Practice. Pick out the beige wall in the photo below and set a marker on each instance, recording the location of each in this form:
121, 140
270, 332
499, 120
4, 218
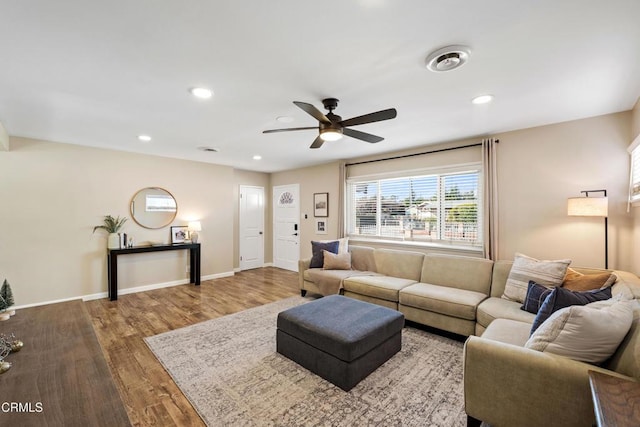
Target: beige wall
53, 194
316, 179
635, 120
539, 168
4, 138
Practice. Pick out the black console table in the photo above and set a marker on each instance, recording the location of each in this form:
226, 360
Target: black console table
112, 262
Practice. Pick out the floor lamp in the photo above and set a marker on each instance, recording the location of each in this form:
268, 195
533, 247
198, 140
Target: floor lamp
592, 206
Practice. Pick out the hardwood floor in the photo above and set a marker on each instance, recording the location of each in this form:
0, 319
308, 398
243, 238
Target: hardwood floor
148, 392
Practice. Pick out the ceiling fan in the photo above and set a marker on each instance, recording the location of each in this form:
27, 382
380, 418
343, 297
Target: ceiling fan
332, 127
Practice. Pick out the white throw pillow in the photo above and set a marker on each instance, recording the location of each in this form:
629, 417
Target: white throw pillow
589, 333
524, 269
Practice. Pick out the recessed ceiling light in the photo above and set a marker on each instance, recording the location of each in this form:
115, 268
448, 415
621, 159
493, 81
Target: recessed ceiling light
144, 138
482, 99
257, 157
284, 119
448, 58
201, 92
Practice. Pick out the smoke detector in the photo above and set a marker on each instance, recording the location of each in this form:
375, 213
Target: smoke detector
448, 58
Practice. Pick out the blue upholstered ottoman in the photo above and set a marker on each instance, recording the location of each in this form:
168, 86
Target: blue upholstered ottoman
338, 338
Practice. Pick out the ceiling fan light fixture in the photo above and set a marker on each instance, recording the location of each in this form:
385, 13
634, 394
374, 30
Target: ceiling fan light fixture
448, 58
331, 134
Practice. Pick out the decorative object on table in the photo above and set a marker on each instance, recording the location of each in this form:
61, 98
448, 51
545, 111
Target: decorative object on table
179, 233
194, 227
112, 226
321, 226
320, 205
130, 242
592, 206
7, 295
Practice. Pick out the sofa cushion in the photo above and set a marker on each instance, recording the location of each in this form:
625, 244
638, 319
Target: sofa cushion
498, 308
317, 258
473, 274
508, 332
560, 298
588, 333
362, 258
524, 268
402, 264
442, 299
381, 287
336, 261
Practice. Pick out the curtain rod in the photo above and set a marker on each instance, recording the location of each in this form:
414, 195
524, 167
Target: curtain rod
417, 154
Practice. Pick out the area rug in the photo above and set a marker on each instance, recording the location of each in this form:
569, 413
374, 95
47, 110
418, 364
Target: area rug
229, 369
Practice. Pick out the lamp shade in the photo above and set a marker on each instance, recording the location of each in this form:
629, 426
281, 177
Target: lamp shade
588, 206
194, 226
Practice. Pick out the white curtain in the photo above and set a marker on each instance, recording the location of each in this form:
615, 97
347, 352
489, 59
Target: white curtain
342, 180
490, 195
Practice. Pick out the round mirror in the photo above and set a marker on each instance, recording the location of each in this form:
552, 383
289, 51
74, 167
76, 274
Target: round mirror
153, 207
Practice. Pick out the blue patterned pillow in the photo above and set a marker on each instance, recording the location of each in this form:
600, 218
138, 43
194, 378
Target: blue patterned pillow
536, 294
317, 258
561, 298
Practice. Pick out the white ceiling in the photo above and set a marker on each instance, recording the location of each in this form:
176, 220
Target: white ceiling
99, 73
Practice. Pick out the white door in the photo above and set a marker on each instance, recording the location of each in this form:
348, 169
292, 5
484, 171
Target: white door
286, 226
251, 227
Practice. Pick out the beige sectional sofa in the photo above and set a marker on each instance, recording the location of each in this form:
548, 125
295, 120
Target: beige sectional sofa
506, 384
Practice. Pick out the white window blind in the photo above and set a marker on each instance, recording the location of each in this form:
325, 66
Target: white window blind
434, 207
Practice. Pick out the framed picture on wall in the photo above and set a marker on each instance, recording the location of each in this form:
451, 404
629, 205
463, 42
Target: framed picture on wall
320, 205
179, 233
321, 226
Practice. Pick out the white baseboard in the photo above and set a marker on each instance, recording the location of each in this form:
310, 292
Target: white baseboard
126, 291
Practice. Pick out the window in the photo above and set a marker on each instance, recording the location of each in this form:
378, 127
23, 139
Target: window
435, 207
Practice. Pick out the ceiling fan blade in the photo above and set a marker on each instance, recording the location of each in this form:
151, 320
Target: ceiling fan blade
362, 135
313, 111
317, 143
288, 129
378, 116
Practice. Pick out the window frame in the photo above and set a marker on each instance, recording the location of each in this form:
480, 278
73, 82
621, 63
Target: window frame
439, 173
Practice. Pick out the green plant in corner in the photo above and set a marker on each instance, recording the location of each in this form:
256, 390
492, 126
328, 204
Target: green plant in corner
111, 224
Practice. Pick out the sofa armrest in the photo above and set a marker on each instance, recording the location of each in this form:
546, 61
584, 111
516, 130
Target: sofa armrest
303, 264
507, 385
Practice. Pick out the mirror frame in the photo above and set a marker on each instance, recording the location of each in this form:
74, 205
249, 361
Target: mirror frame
131, 208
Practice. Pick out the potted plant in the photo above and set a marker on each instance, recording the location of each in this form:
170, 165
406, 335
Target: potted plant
112, 226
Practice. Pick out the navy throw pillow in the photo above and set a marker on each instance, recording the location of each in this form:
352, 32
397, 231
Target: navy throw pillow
561, 298
317, 257
536, 294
